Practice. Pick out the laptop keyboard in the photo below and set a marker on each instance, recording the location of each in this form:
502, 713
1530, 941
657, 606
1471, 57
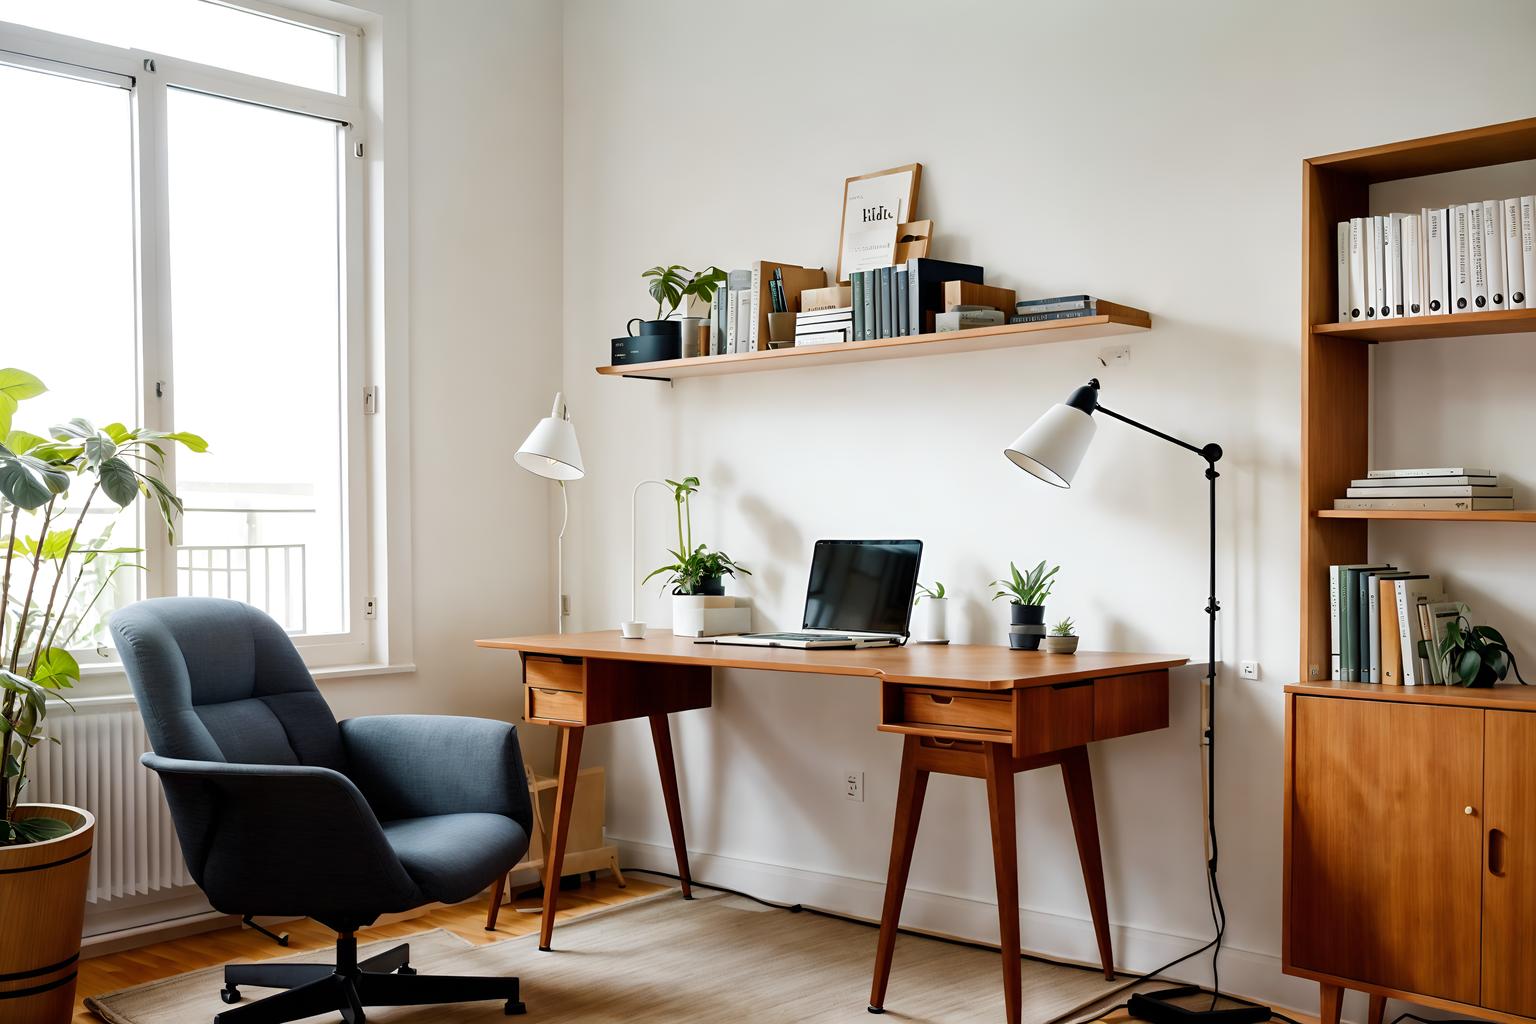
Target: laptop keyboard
799, 636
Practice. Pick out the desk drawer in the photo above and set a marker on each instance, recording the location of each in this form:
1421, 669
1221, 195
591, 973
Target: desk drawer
956, 708
551, 705
1055, 717
555, 674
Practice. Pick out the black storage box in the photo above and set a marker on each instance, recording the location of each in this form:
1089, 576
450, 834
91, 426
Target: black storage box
647, 348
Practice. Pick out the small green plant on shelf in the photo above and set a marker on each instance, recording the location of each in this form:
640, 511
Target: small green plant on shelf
695, 570
935, 592
1476, 655
1031, 588
1066, 627
670, 286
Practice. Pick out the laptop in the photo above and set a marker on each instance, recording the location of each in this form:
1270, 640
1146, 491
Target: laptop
860, 595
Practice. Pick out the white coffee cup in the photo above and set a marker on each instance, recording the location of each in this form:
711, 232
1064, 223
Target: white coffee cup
632, 630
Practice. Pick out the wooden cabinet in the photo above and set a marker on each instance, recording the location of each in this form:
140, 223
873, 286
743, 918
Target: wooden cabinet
1410, 845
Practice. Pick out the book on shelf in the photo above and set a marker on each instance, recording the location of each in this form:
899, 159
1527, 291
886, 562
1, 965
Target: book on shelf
969, 293
925, 288
1514, 260
1413, 598
824, 334
738, 287
1478, 255
1374, 653
899, 302
1065, 314
1392, 255
966, 319
1342, 255
1493, 251
1393, 474
887, 314
1423, 504
1460, 261
1528, 247
1463, 491
1357, 275
820, 315
1412, 253
1425, 480
1375, 290
1434, 245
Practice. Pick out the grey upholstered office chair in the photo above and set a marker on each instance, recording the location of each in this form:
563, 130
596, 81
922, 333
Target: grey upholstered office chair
282, 811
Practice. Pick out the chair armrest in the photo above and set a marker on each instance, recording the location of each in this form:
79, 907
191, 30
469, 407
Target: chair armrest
282, 839
411, 766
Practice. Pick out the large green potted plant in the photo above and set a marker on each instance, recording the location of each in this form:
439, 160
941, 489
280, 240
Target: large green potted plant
695, 573
1026, 593
53, 573
673, 287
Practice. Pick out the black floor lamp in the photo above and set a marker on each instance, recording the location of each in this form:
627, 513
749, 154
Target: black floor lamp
1052, 449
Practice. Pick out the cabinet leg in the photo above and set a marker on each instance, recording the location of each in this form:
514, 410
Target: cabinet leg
1078, 778
565, 795
1377, 1012
661, 735
910, 790
1330, 1002
1005, 863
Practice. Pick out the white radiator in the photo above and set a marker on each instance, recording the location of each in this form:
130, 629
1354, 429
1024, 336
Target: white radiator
96, 766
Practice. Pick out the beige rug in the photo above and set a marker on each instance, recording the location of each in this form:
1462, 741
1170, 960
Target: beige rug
663, 960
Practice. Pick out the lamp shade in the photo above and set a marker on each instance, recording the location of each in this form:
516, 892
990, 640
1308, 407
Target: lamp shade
551, 450
1053, 447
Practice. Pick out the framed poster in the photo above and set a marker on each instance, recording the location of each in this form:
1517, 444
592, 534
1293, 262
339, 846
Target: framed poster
873, 206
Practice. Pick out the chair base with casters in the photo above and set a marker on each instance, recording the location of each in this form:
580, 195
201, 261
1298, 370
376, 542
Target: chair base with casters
351, 985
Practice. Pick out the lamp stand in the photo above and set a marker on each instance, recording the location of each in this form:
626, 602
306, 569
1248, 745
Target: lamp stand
1211, 453
565, 517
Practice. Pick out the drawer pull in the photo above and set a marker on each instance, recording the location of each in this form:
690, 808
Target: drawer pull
938, 699
1072, 685
939, 741
1496, 852
548, 692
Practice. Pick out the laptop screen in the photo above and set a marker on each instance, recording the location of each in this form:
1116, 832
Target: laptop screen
862, 586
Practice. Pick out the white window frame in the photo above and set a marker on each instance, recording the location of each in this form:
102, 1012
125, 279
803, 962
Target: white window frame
378, 638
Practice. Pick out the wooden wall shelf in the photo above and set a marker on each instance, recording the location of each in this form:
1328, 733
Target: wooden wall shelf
1514, 515
979, 339
1425, 328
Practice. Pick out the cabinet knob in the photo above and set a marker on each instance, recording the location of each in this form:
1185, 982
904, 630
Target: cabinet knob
1469, 809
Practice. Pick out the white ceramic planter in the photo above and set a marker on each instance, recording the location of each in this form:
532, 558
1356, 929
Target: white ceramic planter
1060, 644
707, 615
930, 620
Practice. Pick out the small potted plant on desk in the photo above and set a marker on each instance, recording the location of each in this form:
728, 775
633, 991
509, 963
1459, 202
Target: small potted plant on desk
1027, 593
672, 287
1476, 655
931, 609
1062, 639
697, 574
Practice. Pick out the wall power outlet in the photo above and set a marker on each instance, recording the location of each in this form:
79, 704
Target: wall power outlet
854, 784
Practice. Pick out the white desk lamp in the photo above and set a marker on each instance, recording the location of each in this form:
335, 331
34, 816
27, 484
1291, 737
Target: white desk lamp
551, 451
634, 629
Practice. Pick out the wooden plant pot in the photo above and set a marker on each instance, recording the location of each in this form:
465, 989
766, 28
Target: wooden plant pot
42, 914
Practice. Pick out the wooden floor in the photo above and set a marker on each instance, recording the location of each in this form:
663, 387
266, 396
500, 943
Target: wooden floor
177, 956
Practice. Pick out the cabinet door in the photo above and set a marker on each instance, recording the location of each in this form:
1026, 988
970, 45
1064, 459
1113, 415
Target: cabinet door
1386, 865
1509, 888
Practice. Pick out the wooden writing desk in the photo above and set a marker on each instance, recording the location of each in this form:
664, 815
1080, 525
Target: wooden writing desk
981, 712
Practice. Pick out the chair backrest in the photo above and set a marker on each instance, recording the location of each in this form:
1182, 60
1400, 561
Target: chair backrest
218, 680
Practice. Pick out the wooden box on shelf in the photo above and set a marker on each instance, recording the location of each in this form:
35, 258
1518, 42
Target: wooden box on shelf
1357, 914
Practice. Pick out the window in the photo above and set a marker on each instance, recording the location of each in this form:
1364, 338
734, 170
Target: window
183, 250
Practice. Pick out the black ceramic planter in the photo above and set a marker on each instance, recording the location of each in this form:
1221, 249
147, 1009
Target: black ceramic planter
1027, 628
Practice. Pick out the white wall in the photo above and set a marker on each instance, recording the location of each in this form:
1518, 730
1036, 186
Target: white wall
1148, 153
484, 167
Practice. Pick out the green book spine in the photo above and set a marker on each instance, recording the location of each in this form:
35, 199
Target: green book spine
856, 297
1349, 624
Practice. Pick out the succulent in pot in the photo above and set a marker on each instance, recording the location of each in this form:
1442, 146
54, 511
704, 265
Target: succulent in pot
1475, 656
1062, 639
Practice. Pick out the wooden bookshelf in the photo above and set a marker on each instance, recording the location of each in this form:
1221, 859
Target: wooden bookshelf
1511, 515
1335, 420
1428, 328
980, 339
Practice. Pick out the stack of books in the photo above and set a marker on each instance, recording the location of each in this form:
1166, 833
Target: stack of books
824, 326
1059, 307
1468, 258
1387, 624
1434, 489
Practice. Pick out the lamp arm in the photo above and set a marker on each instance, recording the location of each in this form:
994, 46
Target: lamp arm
1210, 453
634, 569
565, 518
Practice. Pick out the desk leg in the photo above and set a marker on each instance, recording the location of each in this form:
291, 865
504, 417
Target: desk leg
1005, 863
661, 735
910, 790
1078, 778
565, 794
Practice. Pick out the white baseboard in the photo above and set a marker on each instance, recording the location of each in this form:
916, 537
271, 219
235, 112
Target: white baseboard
1253, 975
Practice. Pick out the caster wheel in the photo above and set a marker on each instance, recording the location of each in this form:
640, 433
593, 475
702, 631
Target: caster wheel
230, 994
406, 969
514, 1008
